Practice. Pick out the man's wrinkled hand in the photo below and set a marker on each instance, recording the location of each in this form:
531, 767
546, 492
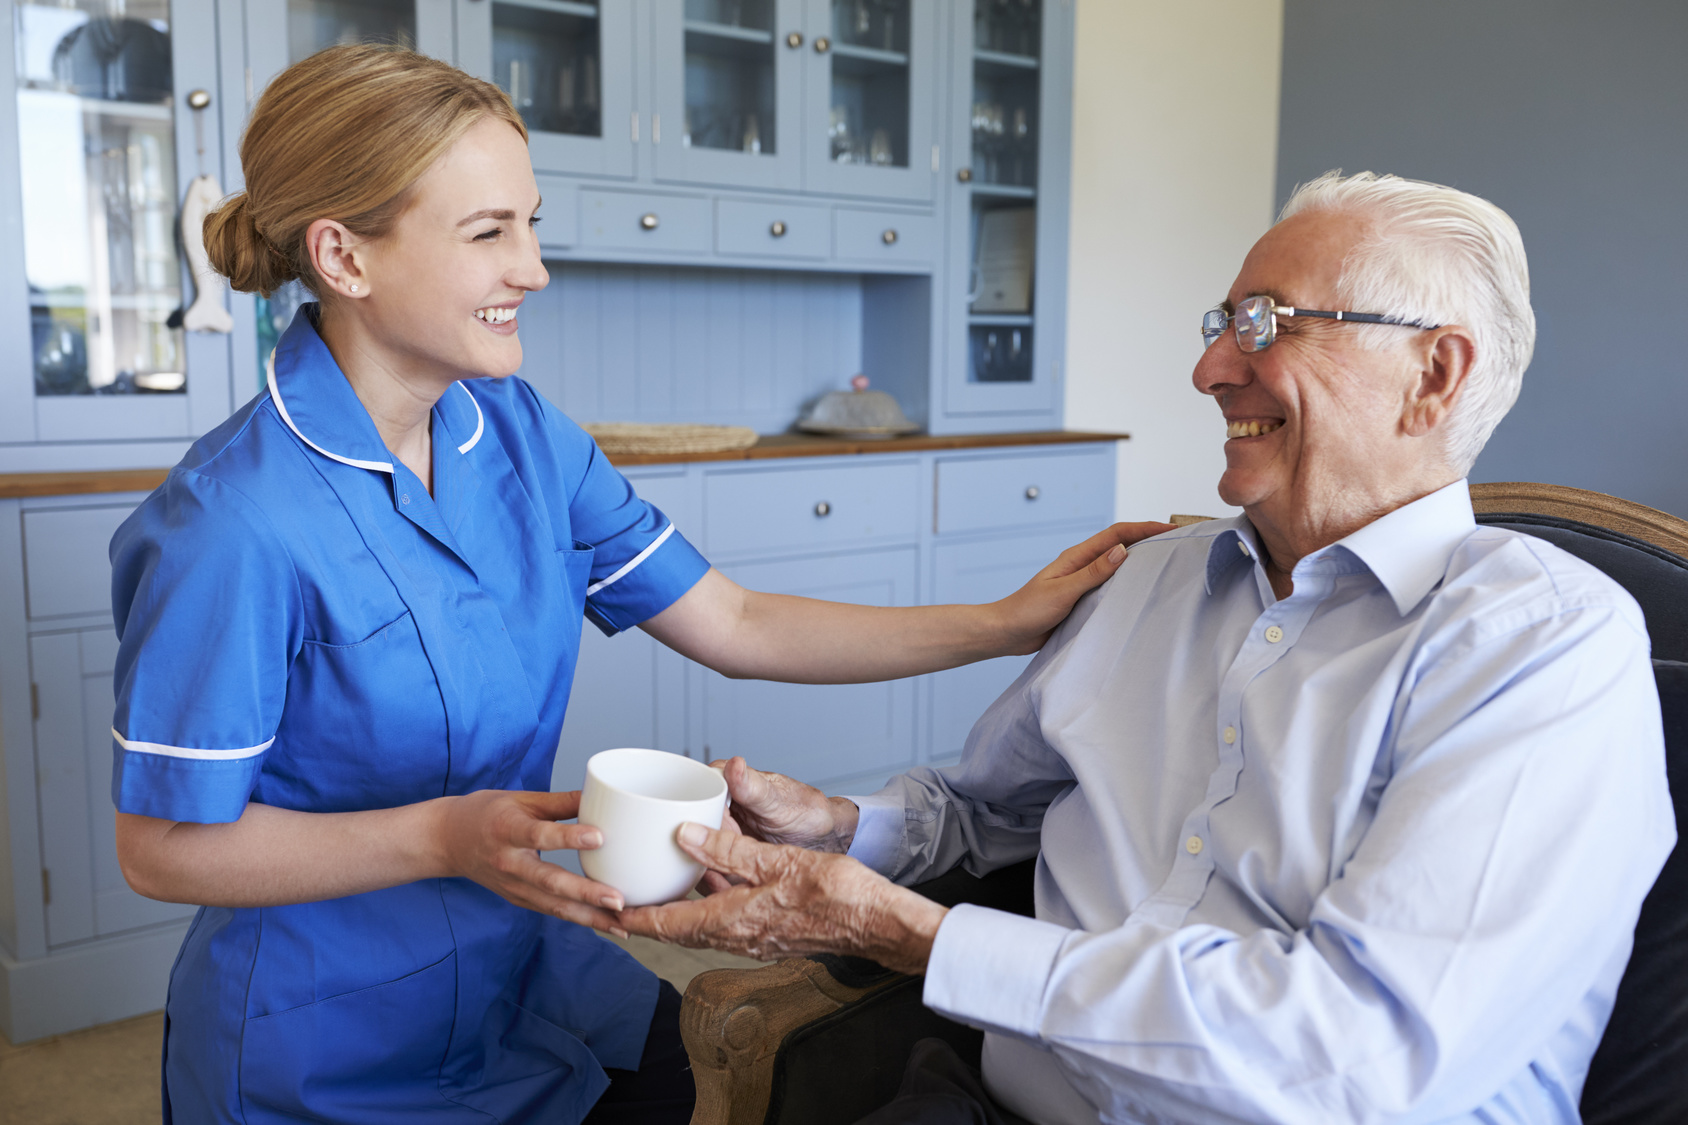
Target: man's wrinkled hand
788, 901
780, 810
1033, 611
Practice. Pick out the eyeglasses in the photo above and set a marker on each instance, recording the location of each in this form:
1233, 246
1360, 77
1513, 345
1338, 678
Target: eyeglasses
1256, 321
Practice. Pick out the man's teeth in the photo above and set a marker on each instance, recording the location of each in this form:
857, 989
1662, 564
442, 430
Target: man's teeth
1250, 429
496, 316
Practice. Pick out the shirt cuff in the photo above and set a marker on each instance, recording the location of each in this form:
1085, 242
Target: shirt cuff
879, 831
991, 969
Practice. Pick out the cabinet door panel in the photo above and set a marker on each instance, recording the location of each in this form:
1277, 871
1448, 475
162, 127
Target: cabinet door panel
817, 732
729, 92
981, 572
65, 561
61, 773
870, 98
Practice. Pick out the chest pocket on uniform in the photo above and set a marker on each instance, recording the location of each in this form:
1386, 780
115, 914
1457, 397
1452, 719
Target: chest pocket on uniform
363, 727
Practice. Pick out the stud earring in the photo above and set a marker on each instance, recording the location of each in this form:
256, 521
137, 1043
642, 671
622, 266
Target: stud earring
354, 289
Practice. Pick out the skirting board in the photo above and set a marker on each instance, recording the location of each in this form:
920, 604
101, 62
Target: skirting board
89, 985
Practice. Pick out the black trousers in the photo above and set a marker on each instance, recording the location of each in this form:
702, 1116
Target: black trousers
661, 1091
939, 1089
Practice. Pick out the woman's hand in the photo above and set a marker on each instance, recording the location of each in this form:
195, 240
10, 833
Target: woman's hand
491, 836
1032, 612
789, 901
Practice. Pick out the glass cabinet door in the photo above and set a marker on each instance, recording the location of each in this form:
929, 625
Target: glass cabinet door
101, 173
998, 120
728, 87
870, 89
568, 66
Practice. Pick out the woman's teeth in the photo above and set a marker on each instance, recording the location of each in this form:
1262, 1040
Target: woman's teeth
496, 316
1250, 429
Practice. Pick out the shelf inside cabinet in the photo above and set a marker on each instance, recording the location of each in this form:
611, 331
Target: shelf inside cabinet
1001, 60
730, 32
1000, 320
1002, 191
560, 7
865, 60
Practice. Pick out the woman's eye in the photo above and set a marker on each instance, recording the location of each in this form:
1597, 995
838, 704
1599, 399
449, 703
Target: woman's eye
489, 235
533, 222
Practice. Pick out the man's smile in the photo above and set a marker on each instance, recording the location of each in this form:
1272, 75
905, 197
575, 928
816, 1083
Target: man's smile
1250, 428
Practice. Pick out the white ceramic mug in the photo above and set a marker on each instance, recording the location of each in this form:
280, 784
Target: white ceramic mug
638, 799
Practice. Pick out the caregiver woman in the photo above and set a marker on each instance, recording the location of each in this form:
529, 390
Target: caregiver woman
349, 622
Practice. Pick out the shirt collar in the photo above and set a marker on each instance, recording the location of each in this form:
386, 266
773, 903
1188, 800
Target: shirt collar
318, 404
1406, 550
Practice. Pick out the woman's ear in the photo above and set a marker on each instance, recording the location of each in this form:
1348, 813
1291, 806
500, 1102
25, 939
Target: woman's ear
1445, 364
338, 256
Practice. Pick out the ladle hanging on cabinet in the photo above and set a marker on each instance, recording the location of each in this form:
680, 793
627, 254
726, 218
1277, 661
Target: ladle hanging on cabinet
207, 313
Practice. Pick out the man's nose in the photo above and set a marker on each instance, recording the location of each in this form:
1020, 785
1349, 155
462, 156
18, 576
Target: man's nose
1222, 367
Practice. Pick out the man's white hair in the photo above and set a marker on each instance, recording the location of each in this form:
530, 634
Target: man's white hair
1439, 256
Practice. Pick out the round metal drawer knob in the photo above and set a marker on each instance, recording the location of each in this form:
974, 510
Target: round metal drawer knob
778, 229
1033, 492
794, 40
823, 509
199, 99
889, 238
965, 175
822, 45
649, 220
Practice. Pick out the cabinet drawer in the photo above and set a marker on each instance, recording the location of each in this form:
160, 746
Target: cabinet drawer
884, 236
66, 568
748, 228
802, 509
981, 494
618, 220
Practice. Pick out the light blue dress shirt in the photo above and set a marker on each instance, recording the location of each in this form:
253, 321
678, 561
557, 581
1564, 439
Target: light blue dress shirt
1373, 852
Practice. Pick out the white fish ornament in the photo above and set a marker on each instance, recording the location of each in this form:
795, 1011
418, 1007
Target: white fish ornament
207, 313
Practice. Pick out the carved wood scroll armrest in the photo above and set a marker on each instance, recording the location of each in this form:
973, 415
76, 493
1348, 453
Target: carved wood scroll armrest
734, 1021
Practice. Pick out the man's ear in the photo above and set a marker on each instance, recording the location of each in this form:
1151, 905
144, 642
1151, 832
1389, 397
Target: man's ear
338, 256
1444, 364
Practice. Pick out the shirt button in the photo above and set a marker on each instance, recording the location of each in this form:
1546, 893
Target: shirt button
1243, 547
1274, 634
405, 499
1193, 845
1230, 735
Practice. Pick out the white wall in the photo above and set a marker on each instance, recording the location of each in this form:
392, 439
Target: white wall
1170, 189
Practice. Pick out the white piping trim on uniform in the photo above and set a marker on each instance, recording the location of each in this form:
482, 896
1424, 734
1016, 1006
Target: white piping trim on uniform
480, 423
281, 408
637, 559
188, 751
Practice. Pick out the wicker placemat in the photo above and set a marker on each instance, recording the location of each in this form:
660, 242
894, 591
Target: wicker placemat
668, 437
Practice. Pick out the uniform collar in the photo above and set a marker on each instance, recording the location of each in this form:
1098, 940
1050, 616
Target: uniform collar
1407, 550
314, 398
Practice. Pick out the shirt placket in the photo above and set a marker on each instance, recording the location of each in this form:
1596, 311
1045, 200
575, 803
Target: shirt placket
1272, 636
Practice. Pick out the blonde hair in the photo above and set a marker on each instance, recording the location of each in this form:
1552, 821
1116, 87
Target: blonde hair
1440, 256
342, 135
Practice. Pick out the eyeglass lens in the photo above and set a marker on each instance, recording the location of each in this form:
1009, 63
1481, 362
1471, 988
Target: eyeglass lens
1255, 325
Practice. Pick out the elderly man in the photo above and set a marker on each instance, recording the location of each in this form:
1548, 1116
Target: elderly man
1344, 809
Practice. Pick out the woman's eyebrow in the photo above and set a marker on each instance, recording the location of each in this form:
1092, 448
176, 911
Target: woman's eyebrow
502, 214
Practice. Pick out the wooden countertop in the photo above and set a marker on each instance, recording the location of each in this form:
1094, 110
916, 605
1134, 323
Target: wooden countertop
16, 485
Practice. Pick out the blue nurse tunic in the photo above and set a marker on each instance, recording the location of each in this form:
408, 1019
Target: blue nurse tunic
304, 626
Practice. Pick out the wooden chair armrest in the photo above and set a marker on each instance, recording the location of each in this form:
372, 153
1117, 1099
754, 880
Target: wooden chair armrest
734, 1021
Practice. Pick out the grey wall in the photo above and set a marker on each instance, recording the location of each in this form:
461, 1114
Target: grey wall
1574, 118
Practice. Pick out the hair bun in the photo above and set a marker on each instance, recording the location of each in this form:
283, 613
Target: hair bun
238, 252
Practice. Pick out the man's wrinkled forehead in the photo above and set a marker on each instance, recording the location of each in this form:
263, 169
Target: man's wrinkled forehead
1299, 261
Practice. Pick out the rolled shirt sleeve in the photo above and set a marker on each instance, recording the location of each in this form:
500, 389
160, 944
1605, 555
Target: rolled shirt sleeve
208, 615
1495, 889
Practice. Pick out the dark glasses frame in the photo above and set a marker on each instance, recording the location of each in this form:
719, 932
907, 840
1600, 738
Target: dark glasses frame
1256, 321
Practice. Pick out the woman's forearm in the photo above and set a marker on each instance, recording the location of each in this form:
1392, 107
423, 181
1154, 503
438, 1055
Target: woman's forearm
273, 856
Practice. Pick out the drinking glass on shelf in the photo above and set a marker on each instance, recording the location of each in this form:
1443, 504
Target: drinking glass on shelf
521, 84
879, 149
838, 132
752, 135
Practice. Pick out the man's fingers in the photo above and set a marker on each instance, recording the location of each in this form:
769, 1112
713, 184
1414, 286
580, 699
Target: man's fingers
727, 852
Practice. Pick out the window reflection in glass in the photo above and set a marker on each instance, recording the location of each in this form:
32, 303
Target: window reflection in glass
730, 76
95, 133
546, 59
869, 118
313, 25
